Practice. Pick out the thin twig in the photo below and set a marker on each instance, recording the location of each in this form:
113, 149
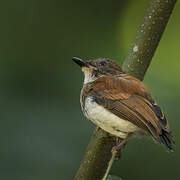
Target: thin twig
114, 153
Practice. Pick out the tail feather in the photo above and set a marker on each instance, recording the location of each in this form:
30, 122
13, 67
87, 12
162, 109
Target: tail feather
167, 139
166, 136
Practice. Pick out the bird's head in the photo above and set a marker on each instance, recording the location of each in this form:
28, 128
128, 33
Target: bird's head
94, 69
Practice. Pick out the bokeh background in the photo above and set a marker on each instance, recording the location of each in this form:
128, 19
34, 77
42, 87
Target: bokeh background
43, 134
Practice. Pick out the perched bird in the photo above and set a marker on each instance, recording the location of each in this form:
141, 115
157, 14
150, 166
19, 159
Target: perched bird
120, 104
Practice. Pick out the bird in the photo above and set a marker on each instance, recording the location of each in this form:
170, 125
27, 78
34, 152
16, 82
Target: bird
121, 104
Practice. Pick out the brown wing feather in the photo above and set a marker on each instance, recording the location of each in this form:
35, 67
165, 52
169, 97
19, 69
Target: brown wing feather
128, 98
133, 110
119, 87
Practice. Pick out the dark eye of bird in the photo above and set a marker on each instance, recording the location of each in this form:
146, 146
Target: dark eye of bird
103, 63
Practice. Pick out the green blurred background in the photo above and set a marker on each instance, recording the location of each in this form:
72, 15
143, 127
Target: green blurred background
43, 134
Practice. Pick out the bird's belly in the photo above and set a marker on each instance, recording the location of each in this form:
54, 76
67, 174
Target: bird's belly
107, 120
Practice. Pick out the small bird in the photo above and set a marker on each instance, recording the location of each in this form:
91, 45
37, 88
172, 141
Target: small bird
120, 104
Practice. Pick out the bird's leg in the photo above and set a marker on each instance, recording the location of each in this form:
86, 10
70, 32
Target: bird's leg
120, 143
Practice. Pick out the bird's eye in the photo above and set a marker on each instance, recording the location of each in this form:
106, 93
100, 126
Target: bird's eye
103, 63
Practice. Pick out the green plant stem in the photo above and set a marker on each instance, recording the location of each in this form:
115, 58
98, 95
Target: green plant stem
98, 155
148, 37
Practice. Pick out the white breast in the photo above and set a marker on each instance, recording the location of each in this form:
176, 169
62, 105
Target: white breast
107, 120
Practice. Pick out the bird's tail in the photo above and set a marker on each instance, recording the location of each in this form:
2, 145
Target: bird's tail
167, 139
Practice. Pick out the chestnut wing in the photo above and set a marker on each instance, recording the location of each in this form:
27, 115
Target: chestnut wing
128, 98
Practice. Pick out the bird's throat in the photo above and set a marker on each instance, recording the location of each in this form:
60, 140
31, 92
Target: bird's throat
88, 75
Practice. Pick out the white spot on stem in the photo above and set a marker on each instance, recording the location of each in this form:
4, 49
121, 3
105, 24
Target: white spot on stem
135, 48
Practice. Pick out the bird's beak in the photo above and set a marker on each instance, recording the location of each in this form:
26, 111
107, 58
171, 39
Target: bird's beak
80, 62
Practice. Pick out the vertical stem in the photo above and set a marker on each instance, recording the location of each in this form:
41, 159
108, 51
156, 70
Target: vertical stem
148, 37
98, 153
97, 156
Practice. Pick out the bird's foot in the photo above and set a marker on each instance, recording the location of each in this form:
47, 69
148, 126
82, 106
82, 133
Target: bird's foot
120, 144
